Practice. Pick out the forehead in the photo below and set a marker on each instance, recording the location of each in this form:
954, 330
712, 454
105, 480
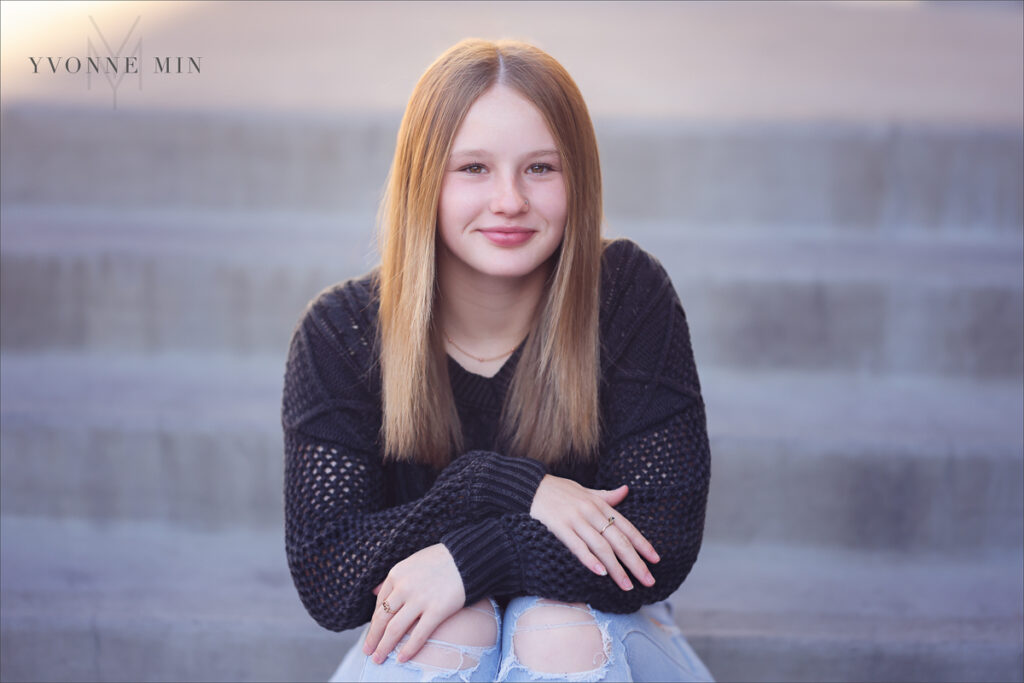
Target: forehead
502, 119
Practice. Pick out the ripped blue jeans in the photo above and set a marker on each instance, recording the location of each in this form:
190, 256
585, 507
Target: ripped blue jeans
542, 640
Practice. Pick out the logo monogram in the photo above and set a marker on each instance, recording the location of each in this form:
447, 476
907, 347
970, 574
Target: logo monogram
114, 76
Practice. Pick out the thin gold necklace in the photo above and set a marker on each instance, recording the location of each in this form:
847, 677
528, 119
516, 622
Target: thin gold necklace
478, 358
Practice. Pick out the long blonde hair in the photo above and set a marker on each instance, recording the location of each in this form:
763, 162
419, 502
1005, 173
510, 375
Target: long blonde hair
551, 411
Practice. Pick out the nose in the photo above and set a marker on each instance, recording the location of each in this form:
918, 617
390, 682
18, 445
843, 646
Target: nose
508, 197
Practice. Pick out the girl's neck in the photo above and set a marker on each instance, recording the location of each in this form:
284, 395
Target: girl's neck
485, 315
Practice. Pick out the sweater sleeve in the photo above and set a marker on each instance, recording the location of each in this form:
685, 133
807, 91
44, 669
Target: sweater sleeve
341, 536
656, 442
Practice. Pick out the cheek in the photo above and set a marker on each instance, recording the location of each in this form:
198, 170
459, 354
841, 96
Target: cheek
457, 204
552, 198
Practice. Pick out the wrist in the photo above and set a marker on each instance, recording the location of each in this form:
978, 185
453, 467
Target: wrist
486, 559
505, 485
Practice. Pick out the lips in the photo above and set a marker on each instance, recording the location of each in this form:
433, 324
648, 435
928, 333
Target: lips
508, 237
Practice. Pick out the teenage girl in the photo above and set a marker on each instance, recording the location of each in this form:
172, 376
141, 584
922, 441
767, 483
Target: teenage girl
495, 441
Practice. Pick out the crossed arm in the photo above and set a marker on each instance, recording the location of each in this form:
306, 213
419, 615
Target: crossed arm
350, 550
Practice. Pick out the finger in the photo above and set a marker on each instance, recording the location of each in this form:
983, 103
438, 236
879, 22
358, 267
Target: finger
600, 546
638, 540
379, 622
628, 556
373, 635
397, 627
633, 534
576, 545
612, 497
623, 545
418, 637
384, 587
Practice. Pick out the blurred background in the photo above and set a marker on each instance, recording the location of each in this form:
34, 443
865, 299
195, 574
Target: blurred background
836, 189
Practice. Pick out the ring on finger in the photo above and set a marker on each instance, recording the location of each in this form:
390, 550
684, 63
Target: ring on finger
388, 609
611, 520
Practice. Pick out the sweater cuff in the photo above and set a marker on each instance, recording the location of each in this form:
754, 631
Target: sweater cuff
486, 558
505, 484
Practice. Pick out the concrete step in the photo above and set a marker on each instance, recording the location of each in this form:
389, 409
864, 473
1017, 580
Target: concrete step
774, 612
169, 281
912, 302
148, 601
857, 176
151, 601
898, 464
189, 439
905, 464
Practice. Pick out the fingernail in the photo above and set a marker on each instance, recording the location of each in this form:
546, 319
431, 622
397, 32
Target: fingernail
649, 580
657, 557
600, 570
627, 585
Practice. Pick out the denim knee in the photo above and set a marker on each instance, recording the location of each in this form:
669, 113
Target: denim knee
645, 645
556, 641
439, 660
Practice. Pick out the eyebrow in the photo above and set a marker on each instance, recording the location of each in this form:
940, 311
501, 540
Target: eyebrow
485, 153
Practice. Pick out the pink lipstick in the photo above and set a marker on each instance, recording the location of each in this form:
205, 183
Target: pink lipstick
508, 237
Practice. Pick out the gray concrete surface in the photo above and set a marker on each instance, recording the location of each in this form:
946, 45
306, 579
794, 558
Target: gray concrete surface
864, 176
904, 464
821, 300
149, 601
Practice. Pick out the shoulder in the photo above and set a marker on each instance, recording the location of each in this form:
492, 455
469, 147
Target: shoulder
332, 356
634, 287
622, 255
345, 314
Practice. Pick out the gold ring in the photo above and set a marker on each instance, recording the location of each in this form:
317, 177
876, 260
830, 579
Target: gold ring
611, 520
387, 608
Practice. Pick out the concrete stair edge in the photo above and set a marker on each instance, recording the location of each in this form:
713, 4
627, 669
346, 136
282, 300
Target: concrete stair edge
304, 238
865, 462
234, 392
151, 601
849, 175
912, 304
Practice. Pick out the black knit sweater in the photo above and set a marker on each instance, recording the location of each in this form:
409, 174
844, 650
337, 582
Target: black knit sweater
350, 517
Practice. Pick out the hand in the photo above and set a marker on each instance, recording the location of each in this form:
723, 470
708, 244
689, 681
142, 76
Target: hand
426, 586
576, 515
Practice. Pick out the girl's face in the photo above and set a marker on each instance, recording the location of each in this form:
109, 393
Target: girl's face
502, 209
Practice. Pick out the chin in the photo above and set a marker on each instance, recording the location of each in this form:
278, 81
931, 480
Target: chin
521, 264
508, 269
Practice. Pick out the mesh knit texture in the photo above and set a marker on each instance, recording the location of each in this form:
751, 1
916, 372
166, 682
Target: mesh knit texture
350, 517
